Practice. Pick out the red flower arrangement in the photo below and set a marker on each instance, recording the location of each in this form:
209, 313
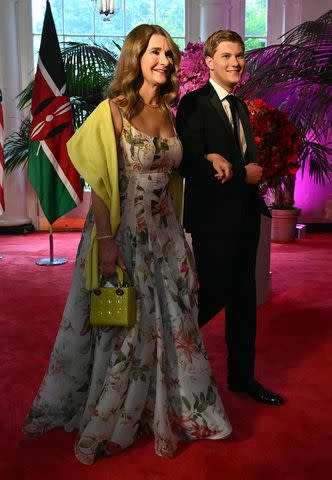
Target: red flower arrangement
277, 139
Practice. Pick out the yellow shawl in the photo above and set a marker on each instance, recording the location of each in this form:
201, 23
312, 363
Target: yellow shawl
92, 150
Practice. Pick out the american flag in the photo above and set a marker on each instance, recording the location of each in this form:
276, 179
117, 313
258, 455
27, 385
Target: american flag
2, 162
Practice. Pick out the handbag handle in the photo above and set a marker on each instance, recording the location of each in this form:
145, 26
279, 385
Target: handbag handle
122, 277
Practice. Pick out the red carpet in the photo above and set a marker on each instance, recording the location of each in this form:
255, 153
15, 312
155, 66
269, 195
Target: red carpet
294, 357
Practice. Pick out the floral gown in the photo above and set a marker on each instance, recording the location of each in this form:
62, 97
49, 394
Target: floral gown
114, 383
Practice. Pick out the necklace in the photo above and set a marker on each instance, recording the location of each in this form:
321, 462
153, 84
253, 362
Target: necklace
148, 104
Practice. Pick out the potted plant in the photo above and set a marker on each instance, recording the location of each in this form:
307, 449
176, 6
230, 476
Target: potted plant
295, 77
279, 145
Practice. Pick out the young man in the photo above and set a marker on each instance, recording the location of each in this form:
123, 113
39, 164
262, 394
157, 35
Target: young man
222, 206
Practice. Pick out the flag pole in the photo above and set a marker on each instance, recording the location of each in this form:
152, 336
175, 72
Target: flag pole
51, 261
51, 128
51, 245
2, 163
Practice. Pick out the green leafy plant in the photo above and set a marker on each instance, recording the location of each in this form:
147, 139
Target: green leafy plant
16, 147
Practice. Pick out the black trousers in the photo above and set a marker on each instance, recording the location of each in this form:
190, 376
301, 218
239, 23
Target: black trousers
226, 264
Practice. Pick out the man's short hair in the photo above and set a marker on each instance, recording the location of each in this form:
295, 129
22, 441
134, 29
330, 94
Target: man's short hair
211, 44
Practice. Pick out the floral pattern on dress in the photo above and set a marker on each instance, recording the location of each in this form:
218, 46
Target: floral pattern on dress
110, 383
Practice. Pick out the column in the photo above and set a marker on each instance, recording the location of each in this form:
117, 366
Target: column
193, 14
215, 15
275, 21
238, 14
221, 14
11, 85
292, 13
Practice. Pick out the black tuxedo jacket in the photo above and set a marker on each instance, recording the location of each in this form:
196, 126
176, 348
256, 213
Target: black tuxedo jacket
204, 128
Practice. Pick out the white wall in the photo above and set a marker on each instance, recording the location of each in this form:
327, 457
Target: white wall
312, 9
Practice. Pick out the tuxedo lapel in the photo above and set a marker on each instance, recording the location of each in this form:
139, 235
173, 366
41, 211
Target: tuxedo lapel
214, 99
249, 134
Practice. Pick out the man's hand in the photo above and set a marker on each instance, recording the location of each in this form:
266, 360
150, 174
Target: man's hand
221, 166
254, 173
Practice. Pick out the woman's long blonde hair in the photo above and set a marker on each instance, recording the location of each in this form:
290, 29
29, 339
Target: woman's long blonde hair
128, 76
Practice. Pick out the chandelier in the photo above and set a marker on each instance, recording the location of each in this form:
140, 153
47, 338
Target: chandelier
104, 7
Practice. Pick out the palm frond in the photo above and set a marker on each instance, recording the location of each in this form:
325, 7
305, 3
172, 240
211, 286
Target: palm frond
16, 147
24, 98
311, 32
117, 45
316, 156
89, 69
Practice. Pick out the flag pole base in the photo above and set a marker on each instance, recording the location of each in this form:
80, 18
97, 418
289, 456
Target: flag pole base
50, 262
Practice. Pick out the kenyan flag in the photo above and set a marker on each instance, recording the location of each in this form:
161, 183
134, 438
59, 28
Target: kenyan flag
50, 170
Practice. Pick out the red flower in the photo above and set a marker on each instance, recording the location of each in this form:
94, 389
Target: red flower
178, 422
185, 267
186, 342
277, 139
202, 431
159, 207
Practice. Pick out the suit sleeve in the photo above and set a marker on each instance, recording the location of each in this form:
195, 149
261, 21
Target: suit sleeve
197, 143
189, 127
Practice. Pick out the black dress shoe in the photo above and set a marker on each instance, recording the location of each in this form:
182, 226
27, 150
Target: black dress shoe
257, 392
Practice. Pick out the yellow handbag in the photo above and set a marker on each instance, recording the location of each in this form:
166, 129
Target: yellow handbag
114, 306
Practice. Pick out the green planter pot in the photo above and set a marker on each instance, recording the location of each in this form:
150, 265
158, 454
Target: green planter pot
284, 224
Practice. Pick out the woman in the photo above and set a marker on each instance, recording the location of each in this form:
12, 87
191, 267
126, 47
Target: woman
114, 383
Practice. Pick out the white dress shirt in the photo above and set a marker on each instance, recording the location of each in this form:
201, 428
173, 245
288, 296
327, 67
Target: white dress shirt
222, 94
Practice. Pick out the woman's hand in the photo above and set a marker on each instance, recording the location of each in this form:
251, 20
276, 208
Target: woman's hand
109, 256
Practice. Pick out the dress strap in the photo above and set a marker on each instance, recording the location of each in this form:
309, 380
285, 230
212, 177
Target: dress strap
173, 123
124, 121
172, 118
